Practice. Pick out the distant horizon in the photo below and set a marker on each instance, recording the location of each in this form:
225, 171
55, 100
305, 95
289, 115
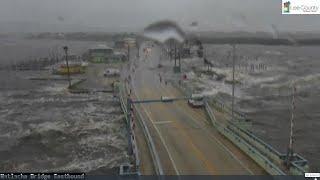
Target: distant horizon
96, 29
40, 27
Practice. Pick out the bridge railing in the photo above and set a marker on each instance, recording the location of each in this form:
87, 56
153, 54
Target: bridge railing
246, 147
131, 133
241, 119
299, 165
275, 159
138, 116
239, 132
151, 145
219, 104
248, 136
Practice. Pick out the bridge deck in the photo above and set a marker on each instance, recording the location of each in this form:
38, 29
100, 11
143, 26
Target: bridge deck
185, 141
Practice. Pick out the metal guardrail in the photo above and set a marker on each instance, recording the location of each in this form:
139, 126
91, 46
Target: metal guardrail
188, 91
154, 154
228, 110
151, 145
266, 156
133, 143
241, 118
262, 153
298, 166
241, 131
251, 151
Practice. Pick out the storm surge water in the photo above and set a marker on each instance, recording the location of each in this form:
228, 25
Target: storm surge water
266, 75
45, 128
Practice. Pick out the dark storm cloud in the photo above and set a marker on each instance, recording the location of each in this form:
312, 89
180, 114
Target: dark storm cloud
133, 15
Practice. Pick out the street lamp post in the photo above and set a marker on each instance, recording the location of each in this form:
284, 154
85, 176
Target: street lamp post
290, 148
233, 83
179, 59
128, 52
65, 48
138, 48
175, 55
170, 47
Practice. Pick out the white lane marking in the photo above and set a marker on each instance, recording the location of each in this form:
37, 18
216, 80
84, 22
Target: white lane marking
162, 122
224, 147
227, 149
219, 142
160, 136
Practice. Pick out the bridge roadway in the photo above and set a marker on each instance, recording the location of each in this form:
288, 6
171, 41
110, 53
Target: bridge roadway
185, 141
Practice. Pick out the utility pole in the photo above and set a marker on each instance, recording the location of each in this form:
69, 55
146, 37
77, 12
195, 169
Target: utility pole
138, 48
233, 83
65, 48
170, 48
175, 54
293, 107
179, 60
128, 52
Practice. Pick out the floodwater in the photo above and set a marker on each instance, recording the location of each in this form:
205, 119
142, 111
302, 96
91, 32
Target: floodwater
44, 128
266, 75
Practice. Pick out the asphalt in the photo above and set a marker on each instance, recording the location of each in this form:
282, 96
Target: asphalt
185, 141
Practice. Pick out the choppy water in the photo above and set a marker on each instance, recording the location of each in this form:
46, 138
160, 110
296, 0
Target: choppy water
265, 92
15, 50
43, 128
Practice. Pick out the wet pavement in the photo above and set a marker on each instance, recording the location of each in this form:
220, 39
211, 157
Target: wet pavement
266, 74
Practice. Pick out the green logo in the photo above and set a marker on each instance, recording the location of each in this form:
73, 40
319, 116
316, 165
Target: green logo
286, 7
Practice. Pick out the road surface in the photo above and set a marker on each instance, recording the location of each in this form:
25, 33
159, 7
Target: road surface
187, 144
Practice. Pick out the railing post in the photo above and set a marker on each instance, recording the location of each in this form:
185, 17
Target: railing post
128, 117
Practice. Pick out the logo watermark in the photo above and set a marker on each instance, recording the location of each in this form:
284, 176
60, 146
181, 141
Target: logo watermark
300, 7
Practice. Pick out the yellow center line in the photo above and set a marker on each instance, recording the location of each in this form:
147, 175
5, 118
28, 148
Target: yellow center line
198, 153
209, 166
194, 114
162, 140
162, 122
177, 93
160, 136
219, 142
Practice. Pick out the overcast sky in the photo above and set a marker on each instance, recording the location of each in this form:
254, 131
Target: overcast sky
133, 15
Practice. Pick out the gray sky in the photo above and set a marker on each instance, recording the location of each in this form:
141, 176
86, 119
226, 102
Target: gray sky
133, 15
